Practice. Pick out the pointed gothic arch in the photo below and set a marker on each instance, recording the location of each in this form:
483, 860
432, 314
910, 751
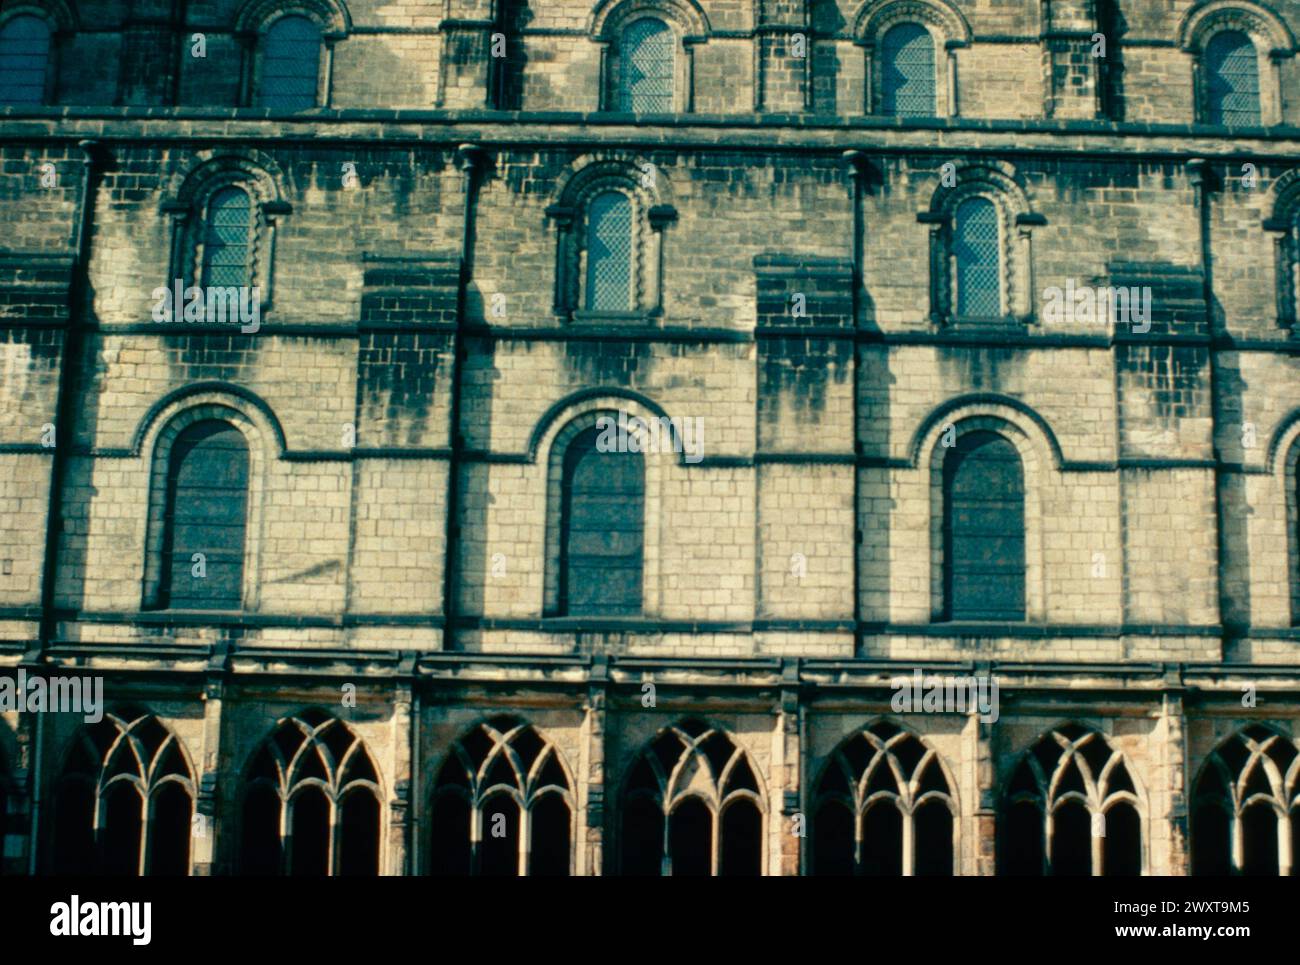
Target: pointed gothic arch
311, 802
502, 804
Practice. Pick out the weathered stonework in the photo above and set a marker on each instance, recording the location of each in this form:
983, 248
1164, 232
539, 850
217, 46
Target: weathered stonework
417, 357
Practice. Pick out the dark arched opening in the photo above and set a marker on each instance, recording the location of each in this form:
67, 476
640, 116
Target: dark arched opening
309, 846
742, 840
550, 846
882, 839
359, 835
933, 839
170, 831
833, 844
690, 839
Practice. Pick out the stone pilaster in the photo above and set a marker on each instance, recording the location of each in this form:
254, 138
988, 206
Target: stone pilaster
789, 769
591, 835
1173, 850
403, 809
983, 859
783, 55
1070, 59
206, 827
466, 79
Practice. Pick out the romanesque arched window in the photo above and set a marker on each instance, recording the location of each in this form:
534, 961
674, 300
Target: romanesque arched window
980, 248
502, 805
224, 213
977, 259
984, 529
311, 802
206, 517
1235, 46
1231, 79
1246, 806
1070, 808
227, 238
883, 807
647, 53
692, 806
602, 523
290, 65
611, 220
910, 56
907, 72
124, 802
610, 268
24, 60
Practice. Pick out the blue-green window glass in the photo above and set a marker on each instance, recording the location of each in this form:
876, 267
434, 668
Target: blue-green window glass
609, 253
1232, 79
646, 67
226, 239
979, 263
24, 60
290, 65
207, 512
907, 72
603, 514
984, 529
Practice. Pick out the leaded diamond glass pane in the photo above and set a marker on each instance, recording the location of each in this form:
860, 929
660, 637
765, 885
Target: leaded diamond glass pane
290, 65
646, 67
975, 246
609, 253
1232, 79
225, 244
24, 57
907, 72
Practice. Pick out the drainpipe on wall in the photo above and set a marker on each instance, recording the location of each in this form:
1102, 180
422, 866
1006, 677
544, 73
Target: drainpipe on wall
859, 170
471, 159
1202, 181
65, 410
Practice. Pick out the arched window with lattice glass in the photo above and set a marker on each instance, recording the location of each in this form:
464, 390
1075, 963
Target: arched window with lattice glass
647, 66
24, 60
1231, 66
502, 805
1246, 807
883, 807
692, 807
610, 271
206, 518
1071, 808
984, 529
311, 802
907, 72
124, 800
290, 67
602, 525
227, 239
977, 256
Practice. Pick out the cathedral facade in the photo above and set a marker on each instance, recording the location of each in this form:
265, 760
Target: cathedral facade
650, 437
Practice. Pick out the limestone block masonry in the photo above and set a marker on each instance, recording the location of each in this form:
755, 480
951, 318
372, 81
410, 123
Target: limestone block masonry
818, 246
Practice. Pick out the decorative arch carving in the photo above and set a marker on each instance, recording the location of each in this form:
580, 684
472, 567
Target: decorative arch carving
191, 193
1016, 220
255, 16
646, 187
1071, 781
885, 764
1272, 38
